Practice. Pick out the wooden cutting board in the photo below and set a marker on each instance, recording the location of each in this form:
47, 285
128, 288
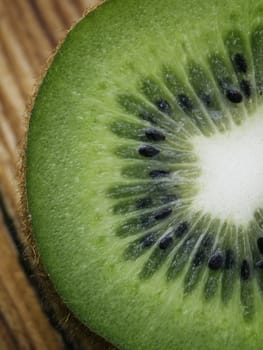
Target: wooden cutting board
29, 32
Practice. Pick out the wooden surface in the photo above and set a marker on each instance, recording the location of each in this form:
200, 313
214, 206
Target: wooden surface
29, 32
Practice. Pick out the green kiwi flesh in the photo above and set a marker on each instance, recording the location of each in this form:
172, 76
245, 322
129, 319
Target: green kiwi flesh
143, 173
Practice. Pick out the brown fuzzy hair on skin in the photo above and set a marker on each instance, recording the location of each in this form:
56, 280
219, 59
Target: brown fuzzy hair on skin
75, 333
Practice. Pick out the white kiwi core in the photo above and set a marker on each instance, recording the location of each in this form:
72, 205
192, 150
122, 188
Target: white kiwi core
231, 179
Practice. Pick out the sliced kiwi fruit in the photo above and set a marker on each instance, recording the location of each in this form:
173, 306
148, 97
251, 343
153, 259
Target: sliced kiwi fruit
144, 173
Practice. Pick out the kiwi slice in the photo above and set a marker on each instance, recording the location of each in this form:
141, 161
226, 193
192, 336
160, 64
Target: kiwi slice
144, 173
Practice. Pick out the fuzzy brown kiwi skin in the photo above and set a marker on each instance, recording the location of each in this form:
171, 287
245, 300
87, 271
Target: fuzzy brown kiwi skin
74, 332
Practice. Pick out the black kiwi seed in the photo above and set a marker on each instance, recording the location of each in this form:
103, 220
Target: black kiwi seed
234, 95
185, 102
158, 173
162, 213
148, 151
164, 106
154, 135
181, 229
216, 261
244, 270
166, 242
240, 63
140, 246
260, 244
245, 87
259, 264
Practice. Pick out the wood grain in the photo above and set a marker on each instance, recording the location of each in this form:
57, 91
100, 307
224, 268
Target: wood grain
29, 32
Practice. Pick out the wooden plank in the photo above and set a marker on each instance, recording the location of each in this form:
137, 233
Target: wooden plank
25, 324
